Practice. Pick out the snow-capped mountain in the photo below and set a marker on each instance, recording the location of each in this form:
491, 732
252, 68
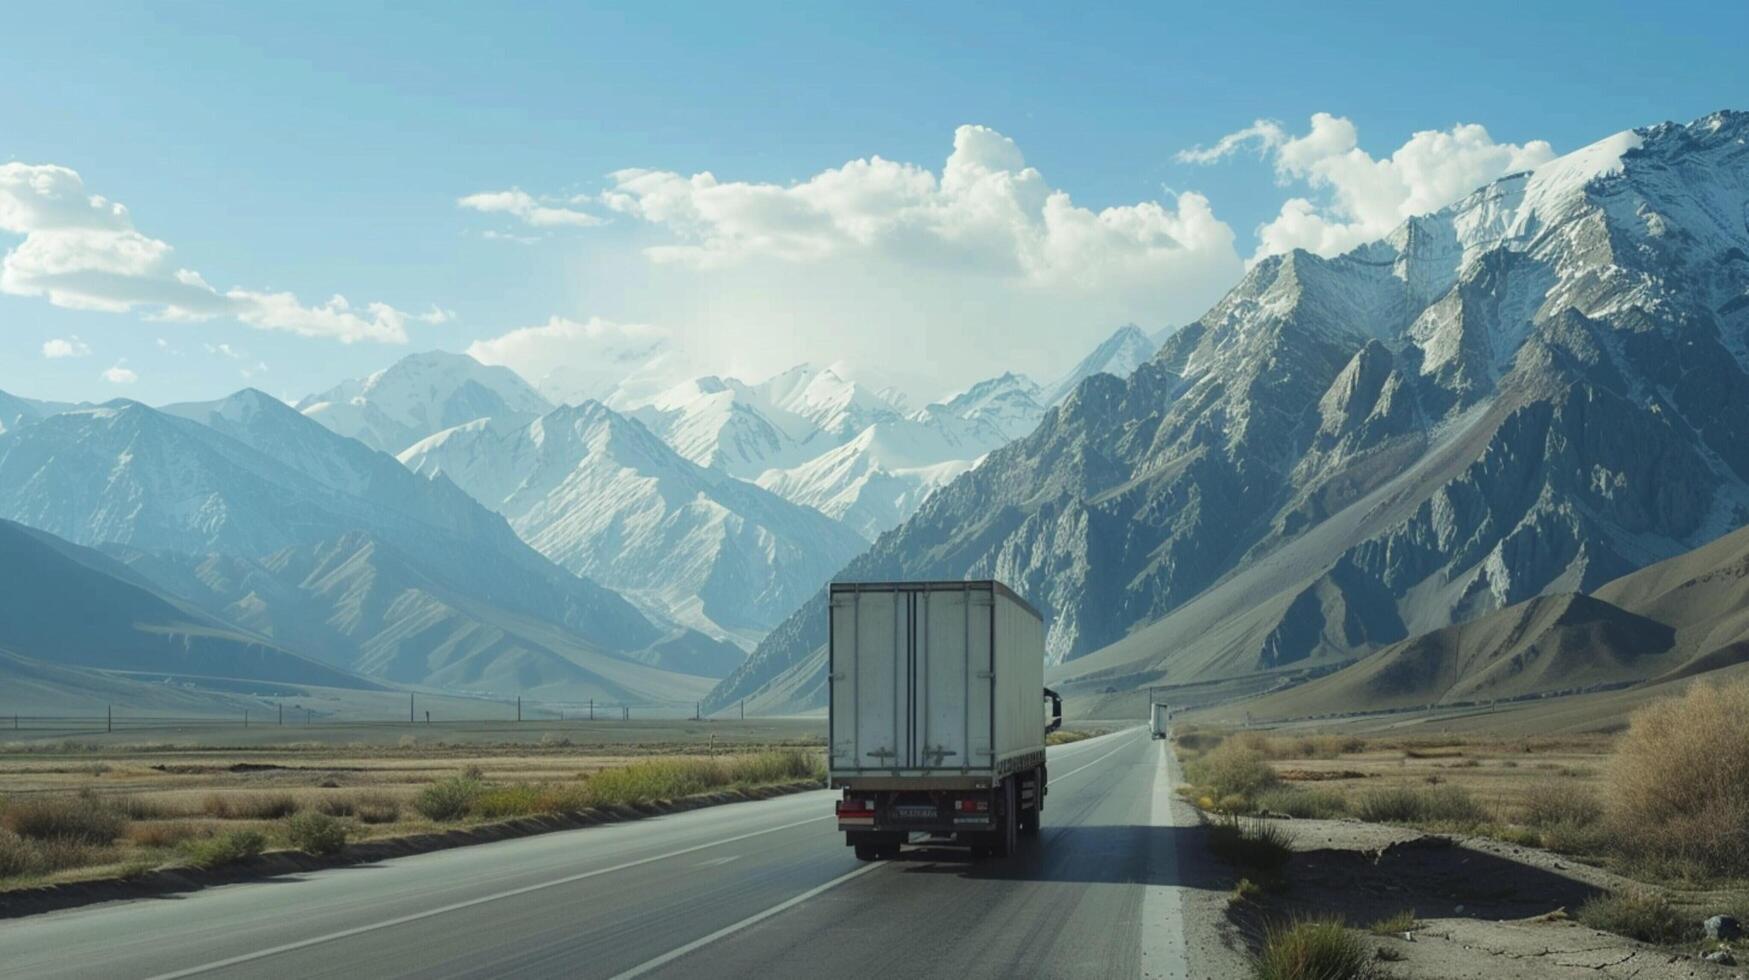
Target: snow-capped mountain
731, 426
1539, 388
245, 507
422, 394
1013, 404
601, 495
1119, 354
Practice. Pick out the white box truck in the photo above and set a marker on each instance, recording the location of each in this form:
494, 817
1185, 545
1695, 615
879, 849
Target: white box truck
1158, 719
936, 714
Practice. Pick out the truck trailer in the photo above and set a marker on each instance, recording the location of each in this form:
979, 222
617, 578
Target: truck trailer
1158, 717
937, 714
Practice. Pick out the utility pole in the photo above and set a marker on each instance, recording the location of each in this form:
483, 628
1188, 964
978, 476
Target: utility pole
410, 718
591, 709
697, 710
519, 707
245, 717
743, 709
281, 707
109, 718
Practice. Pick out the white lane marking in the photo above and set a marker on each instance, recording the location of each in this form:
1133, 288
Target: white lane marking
758, 917
755, 919
719, 862
1095, 762
456, 907
1164, 953
417, 916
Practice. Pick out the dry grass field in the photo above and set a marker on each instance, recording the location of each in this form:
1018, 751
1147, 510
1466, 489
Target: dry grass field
89, 807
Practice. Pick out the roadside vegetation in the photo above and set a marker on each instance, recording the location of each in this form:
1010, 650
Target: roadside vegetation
1665, 803
134, 813
1314, 949
1667, 799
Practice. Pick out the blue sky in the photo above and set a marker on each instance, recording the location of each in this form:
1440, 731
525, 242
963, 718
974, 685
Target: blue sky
322, 150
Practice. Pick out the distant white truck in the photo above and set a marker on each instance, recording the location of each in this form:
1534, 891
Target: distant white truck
936, 714
1159, 715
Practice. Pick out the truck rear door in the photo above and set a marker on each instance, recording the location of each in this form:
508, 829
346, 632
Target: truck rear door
911, 679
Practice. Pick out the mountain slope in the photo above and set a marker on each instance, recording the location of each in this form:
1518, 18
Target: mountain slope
1681, 617
1118, 355
71, 607
1536, 390
601, 495
420, 395
235, 505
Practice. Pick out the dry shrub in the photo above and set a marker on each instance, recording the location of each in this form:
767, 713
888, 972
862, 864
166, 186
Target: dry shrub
376, 808
1233, 768
84, 819
161, 834
316, 833
1644, 915
1562, 805
1679, 783
450, 799
1304, 804
250, 806
23, 857
226, 848
1442, 805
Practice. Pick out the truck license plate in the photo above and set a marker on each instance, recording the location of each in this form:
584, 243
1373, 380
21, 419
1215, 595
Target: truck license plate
914, 812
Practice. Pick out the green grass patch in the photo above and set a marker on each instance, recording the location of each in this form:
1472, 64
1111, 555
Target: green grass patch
1394, 925
1250, 843
1642, 914
1318, 949
229, 847
316, 833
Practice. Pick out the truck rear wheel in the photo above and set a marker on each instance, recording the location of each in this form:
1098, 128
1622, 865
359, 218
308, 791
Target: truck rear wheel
1007, 837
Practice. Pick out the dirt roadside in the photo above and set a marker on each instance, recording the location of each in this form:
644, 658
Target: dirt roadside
1483, 908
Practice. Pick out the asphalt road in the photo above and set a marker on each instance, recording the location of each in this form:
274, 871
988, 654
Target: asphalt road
764, 888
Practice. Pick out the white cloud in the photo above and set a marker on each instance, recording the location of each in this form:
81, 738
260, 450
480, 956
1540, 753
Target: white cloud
571, 360
1365, 198
525, 207
81, 251
59, 347
120, 375
986, 213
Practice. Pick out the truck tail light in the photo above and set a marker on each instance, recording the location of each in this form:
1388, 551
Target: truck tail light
973, 805
855, 808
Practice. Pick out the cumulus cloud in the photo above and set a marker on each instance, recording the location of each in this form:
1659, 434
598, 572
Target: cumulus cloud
118, 374
82, 251
526, 208
572, 360
1364, 198
59, 347
986, 212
